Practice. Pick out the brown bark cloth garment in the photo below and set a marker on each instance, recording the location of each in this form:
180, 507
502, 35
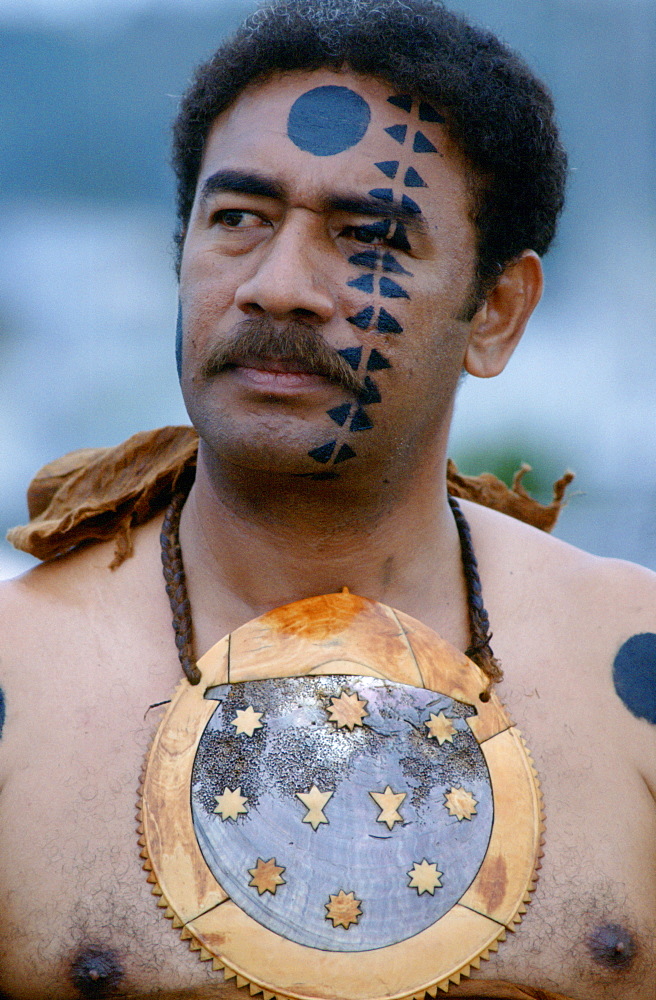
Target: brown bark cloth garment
96, 494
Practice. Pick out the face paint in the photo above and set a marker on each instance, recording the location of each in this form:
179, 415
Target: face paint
634, 675
421, 144
390, 290
370, 318
328, 120
389, 168
376, 362
340, 414
412, 179
178, 342
321, 150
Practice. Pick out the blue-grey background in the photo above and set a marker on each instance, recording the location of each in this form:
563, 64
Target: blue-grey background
87, 292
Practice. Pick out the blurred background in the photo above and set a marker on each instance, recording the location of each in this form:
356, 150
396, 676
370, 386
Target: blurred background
88, 295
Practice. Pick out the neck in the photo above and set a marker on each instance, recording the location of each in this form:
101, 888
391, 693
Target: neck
254, 542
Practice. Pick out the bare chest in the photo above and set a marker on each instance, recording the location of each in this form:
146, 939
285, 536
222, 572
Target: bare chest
81, 920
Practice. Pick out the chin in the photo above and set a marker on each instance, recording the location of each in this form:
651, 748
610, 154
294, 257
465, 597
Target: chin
262, 453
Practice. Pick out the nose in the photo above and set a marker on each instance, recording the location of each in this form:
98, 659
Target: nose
287, 280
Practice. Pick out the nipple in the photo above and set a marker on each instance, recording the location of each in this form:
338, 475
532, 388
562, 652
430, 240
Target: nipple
96, 973
613, 946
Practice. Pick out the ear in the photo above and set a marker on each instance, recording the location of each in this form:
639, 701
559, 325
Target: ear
499, 323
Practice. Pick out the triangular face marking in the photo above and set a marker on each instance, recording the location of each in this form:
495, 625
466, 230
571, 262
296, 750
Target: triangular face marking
392, 265
365, 283
377, 362
401, 101
370, 394
352, 355
361, 421
390, 290
382, 194
397, 132
340, 413
389, 168
411, 205
368, 258
387, 323
423, 145
413, 180
427, 113
399, 240
344, 453
323, 452
363, 319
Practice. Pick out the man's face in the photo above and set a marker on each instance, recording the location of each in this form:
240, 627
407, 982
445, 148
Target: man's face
328, 261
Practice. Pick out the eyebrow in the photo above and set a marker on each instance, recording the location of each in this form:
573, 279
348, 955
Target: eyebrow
397, 211
242, 182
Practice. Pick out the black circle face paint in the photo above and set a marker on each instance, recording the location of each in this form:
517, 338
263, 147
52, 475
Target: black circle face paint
634, 675
328, 120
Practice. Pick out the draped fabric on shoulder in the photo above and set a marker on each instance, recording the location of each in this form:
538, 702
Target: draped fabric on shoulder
96, 494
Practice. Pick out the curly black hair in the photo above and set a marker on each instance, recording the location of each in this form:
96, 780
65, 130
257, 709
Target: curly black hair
499, 114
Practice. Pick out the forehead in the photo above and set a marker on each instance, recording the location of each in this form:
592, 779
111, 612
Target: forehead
325, 130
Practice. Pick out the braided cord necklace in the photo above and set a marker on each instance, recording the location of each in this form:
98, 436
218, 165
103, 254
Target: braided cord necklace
479, 649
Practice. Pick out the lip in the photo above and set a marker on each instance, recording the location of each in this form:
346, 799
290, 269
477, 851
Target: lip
275, 376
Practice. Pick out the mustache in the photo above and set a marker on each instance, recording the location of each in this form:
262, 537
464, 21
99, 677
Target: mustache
294, 341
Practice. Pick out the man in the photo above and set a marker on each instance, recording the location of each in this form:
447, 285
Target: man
364, 194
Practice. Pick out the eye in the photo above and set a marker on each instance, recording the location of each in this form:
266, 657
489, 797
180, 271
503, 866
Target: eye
236, 218
372, 233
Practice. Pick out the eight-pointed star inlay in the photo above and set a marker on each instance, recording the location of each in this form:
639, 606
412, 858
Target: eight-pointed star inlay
267, 876
460, 803
347, 710
441, 728
424, 877
343, 909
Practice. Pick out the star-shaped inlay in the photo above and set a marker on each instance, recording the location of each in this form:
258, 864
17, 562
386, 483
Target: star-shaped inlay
231, 803
315, 801
343, 909
460, 803
425, 877
247, 720
267, 876
389, 802
347, 710
441, 728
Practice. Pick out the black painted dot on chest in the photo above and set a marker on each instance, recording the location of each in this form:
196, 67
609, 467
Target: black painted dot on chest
96, 972
328, 120
634, 675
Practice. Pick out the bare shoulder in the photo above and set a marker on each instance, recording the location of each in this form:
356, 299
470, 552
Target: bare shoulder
58, 593
586, 622
542, 567
74, 617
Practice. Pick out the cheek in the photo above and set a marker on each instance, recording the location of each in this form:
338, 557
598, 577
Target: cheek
207, 289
